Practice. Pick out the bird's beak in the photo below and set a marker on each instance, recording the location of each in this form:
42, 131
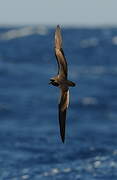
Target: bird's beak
50, 82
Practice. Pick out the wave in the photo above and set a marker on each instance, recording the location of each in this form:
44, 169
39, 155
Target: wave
89, 101
94, 42
75, 71
22, 32
91, 42
114, 40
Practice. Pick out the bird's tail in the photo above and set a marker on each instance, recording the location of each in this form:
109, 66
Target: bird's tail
70, 83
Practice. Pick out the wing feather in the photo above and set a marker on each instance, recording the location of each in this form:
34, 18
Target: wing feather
64, 102
61, 60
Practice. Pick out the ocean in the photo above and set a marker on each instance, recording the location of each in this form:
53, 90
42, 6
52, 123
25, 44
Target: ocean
30, 143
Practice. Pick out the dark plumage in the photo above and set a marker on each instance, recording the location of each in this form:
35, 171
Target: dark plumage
61, 81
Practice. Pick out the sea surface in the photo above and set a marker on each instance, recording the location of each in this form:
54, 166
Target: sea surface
30, 144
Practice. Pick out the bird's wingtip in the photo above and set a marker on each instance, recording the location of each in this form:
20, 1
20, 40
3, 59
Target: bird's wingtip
62, 138
58, 25
63, 141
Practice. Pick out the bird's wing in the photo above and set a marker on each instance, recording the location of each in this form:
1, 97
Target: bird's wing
63, 105
61, 60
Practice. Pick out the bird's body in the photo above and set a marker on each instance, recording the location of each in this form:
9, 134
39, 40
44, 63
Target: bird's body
61, 81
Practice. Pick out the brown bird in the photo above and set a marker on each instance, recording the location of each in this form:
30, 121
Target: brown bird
61, 81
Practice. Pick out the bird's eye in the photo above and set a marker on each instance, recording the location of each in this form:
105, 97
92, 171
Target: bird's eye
52, 80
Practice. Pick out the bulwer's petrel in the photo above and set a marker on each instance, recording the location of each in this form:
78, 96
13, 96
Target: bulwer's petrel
61, 81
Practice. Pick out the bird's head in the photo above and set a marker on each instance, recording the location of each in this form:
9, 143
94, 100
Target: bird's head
53, 82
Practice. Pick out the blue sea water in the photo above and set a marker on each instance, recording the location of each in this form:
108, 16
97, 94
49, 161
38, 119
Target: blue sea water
30, 144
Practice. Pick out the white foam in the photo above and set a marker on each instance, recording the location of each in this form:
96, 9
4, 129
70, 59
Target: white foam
89, 100
66, 170
114, 40
97, 164
22, 32
54, 171
91, 42
45, 174
113, 164
25, 177
115, 152
75, 71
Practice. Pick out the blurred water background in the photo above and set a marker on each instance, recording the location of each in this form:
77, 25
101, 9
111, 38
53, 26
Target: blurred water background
30, 144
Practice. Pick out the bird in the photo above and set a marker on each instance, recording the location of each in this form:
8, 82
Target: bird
61, 81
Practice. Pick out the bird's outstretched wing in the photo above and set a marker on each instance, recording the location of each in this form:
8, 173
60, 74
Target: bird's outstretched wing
64, 102
61, 60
